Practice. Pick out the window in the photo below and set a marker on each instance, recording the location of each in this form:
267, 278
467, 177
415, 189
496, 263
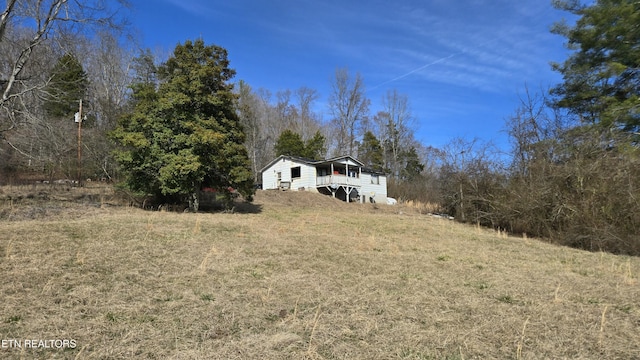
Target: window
375, 179
295, 172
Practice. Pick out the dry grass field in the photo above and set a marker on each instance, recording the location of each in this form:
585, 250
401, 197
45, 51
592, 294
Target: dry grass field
296, 276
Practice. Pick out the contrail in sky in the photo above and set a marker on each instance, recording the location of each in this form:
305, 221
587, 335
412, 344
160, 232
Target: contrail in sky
415, 70
429, 64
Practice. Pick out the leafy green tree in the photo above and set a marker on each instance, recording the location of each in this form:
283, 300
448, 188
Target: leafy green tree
186, 134
67, 86
371, 152
602, 77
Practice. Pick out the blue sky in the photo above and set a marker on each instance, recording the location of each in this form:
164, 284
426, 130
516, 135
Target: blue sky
462, 63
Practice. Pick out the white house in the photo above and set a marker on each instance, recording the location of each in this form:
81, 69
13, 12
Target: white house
342, 177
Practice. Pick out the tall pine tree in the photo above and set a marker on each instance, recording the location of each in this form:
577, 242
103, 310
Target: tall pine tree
370, 152
67, 86
602, 76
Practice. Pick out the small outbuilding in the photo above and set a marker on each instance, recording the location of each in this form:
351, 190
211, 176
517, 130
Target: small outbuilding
344, 177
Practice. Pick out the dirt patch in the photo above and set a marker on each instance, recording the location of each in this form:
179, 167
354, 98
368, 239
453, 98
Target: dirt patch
301, 199
307, 200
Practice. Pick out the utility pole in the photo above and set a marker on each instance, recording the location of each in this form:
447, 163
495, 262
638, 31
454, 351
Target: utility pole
78, 119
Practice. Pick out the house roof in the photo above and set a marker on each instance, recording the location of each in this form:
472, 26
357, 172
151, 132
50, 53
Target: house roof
294, 158
338, 159
312, 162
372, 171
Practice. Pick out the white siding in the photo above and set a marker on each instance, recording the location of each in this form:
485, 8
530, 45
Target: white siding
307, 177
379, 190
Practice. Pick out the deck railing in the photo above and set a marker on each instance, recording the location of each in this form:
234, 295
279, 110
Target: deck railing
338, 180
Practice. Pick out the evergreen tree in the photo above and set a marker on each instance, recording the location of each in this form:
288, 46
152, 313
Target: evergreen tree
145, 69
67, 86
289, 143
602, 77
315, 148
186, 134
370, 152
413, 167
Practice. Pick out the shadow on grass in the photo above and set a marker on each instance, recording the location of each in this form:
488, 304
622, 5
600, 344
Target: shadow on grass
209, 203
241, 207
50, 201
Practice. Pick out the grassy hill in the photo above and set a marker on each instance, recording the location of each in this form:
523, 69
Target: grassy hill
298, 275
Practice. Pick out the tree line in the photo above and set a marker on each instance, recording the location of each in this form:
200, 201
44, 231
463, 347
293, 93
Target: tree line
573, 173
53, 54
168, 126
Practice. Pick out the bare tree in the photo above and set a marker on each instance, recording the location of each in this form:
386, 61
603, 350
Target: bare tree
269, 122
30, 135
4, 17
252, 116
470, 176
286, 111
108, 64
307, 121
530, 128
395, 127
46, 16
349, 108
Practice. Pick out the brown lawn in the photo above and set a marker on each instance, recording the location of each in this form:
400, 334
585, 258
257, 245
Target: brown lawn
297, 275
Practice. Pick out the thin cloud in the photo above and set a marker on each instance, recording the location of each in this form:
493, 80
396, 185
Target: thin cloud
194, 7
462, 50
470, 61
470, 45
413, 71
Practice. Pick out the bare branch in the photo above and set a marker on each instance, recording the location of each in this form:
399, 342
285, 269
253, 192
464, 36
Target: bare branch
4, 18
349, 107
26, 52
